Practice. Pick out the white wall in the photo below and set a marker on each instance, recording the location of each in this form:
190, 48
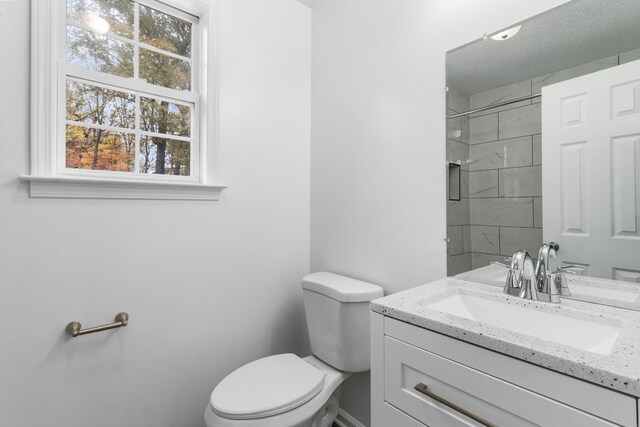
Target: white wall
378, 137
209, 285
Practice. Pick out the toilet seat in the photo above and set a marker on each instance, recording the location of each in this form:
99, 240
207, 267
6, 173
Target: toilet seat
266, 387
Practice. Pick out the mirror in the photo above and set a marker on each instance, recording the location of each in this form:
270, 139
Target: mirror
521, 183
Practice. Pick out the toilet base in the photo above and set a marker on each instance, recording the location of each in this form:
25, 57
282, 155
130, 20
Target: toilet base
329, 411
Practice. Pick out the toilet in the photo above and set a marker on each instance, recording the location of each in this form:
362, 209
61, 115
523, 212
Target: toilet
288, 391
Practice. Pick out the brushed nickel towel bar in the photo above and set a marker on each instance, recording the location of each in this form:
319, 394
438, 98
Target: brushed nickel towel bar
75, 328
422, 388
499, 104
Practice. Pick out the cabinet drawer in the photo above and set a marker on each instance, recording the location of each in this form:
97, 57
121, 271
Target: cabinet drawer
497, 401
395, 418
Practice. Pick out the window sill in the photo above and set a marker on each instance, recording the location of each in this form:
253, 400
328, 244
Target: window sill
92, 188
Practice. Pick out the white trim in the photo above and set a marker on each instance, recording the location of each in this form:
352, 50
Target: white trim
115, 129
376, 342
165, 53
49, 71
345, 420
44, 53
97, 188
124, 84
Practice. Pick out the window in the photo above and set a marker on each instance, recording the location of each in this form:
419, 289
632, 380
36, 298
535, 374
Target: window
123, 100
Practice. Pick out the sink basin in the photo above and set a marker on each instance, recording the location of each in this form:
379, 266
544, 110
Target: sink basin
583, 334
577, 289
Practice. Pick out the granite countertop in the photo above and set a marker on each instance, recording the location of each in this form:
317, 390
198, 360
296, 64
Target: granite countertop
619, 370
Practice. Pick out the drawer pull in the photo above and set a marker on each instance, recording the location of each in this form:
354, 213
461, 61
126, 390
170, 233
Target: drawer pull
422, 388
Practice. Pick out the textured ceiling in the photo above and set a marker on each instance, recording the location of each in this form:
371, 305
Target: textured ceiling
575, 33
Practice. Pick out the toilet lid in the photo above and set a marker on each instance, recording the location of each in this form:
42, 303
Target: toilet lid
266, 387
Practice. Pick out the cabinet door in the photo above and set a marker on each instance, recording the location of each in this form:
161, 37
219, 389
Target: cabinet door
497, 401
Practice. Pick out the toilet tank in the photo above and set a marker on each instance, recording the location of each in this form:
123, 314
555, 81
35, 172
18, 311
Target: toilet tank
337, 309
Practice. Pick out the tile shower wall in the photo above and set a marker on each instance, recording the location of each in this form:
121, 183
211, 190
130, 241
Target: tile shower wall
504, 178
458, 212
503, 175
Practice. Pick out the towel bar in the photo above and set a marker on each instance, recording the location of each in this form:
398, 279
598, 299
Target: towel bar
75, 328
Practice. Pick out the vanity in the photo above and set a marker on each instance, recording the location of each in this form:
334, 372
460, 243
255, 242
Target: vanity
543, 136
458, 352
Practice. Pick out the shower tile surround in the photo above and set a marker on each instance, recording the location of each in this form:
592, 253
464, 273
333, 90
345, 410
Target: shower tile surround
500, 153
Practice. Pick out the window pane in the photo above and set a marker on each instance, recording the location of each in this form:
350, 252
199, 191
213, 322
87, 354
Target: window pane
96, 149
103, 16
164, 117
97, 105
99, 53
163, 70
165, 156
165, 31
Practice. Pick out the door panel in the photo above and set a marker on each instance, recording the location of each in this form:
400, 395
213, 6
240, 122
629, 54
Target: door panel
591, 170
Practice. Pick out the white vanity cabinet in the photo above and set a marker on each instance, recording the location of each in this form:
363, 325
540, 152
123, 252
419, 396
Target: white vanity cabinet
501, 390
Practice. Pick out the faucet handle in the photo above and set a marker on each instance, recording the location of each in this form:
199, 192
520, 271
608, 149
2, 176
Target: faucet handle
560, 282
569, 268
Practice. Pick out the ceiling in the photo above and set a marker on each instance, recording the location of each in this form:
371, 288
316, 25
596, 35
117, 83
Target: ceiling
575, 33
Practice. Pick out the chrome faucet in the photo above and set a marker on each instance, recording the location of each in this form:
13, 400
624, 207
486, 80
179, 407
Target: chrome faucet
521, 278
539, 282
546, 285
551, 284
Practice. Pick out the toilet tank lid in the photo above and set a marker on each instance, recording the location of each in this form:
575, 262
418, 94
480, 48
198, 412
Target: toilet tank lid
341, 288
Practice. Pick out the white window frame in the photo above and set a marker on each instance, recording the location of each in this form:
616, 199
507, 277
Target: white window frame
49, 71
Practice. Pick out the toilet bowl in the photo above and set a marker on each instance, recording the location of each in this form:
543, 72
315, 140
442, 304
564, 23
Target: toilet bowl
318, 411
288, 391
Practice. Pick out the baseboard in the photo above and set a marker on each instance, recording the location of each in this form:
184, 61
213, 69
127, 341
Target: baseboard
345, 420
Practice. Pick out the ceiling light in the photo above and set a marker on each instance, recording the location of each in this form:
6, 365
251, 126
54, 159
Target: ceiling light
97, 24
507, 34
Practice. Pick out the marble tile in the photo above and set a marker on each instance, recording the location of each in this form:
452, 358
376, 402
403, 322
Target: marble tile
464, 184
483, 184
537, 149
483, 129
458, 152
501, 94
458, 129
520, 121
501, 154
485, 239
573, 72
513, 239
455, 245
457, 101
627, 57
466, 238
521, 182
537, 212
458, 212
482, 260
457, 264
511, 212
